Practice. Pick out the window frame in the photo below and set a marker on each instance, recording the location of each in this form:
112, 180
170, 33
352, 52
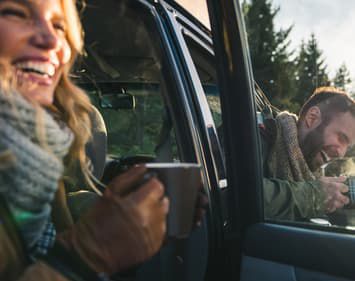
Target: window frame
300, 247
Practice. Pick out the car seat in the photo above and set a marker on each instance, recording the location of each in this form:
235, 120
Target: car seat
96, 149
184, 259
80, 199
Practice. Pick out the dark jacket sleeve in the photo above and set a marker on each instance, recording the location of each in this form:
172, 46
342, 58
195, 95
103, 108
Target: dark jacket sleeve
40, 271
290, 200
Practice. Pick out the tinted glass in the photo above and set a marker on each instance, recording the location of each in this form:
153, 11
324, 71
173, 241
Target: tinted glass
122, 74
301, 48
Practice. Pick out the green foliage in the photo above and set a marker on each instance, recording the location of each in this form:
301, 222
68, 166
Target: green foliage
287, 77
269, 49
342, 77
132, 132
311, 71
215, 106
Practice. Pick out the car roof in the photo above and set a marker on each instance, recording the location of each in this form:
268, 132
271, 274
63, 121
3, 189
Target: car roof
188, 15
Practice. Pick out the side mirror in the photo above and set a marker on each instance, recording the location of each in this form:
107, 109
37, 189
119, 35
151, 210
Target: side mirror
117, 101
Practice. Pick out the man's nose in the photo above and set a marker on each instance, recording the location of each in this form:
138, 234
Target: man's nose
45, 36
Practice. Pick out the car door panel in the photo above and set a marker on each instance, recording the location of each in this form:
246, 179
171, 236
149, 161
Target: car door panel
254, 269
304, 248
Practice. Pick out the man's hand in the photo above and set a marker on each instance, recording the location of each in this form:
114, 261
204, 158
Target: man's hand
334, 188
125, 227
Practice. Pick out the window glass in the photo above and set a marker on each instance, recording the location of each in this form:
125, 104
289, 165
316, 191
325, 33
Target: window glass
204, 62
122, 73
299, 49
205, 66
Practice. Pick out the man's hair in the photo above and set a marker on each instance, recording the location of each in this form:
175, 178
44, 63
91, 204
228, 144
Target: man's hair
330, 101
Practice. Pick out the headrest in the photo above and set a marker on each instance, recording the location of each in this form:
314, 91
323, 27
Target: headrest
96, 148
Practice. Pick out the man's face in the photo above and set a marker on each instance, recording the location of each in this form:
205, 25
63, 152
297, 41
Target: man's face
328, 141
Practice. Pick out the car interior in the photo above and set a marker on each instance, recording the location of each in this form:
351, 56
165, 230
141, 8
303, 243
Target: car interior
127, 77
141, 117
122, 73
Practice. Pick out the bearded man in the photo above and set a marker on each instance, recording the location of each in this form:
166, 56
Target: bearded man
295, 148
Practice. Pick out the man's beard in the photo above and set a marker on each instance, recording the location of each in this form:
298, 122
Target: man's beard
312, 145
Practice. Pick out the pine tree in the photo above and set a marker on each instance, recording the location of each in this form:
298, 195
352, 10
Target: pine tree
342, 77
269, 51
311, 71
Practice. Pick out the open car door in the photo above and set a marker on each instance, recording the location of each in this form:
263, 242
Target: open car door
256, 248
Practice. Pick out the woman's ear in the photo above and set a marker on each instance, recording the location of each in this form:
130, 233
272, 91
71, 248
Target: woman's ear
313, 117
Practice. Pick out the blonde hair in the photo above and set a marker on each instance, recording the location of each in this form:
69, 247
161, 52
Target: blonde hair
70, 102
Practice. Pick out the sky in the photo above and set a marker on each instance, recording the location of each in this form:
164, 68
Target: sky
196, 7
331, 21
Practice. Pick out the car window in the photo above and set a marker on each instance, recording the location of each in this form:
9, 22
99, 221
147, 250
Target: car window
295, 55
205, 66
122, 72
200, 49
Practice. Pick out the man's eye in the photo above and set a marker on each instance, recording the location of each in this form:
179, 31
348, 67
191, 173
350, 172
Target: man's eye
344, 139
13, 12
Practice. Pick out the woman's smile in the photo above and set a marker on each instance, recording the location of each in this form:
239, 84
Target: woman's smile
33, 41
38, 71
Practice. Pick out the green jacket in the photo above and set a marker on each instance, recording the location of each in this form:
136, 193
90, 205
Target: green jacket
288, 200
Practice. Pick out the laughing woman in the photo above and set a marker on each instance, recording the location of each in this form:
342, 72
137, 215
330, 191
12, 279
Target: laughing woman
44, 117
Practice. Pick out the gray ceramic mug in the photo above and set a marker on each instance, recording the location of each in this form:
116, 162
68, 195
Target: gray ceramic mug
181, 182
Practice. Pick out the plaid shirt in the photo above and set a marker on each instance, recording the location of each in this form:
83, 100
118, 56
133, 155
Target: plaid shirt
45, 242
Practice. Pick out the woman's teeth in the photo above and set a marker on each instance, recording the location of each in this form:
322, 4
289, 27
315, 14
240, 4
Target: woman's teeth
40, 68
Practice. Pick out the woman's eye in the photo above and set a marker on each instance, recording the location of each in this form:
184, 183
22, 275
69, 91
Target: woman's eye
13, 12
59, 26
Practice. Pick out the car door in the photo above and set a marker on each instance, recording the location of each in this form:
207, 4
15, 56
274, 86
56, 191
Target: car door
256, 248
138, 72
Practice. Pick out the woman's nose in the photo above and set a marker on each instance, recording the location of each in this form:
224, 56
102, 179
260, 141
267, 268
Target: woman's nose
44, 36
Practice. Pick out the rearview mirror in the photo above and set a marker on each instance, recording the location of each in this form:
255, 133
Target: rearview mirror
117, 101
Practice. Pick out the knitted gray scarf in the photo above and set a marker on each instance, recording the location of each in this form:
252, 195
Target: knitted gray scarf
286, 160
29, 182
